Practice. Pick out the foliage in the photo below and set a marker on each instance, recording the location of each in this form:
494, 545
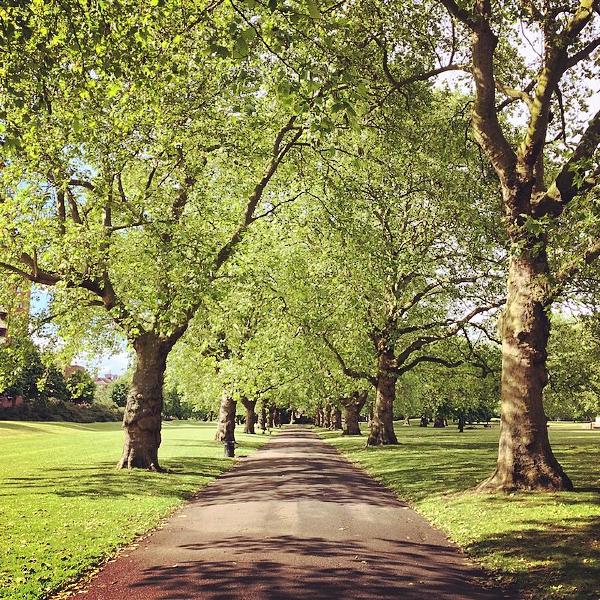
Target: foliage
118, 393
77, 509
573, 390
81, 387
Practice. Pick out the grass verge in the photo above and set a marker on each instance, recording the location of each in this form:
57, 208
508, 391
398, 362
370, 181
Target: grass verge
64, 507
547, 545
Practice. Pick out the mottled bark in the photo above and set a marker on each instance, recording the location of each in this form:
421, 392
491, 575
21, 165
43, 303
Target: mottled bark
327, 416
335, 421
319, 417
382, 425
351, 415
142, 418
262, 418
271, 417
226, 424
525, 458
249, 405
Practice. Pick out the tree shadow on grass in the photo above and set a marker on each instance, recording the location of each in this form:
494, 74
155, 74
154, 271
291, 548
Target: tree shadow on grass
104, 480
561, 559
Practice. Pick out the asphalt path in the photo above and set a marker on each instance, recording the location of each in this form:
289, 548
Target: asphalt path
295, 520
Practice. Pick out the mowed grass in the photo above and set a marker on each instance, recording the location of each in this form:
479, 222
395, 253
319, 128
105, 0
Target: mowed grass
547, 545
64, 506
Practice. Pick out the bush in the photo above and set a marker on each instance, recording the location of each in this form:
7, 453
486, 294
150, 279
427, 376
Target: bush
58, 410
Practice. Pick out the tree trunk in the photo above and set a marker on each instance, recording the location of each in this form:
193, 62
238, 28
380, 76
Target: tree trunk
336, 418
226, 424
142, 418
352, 408
277, 417
271, 417
262, 418
525, 459
319, 417
461, 424
327, 416
250, 415
382, 425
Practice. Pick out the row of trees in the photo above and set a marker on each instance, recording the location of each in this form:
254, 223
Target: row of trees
286, 197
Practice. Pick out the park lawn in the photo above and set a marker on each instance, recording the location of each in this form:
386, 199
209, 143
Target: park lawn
546, 545
64, 506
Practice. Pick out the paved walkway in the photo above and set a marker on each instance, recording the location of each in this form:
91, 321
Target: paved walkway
294, 520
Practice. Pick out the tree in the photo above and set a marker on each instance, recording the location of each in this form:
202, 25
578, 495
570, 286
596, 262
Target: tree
81, 387
113, 185
389, 248
543, 175
119, 393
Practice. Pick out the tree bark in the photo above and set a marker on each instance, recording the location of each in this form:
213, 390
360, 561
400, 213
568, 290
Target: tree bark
352, 408
142, 418
525, 458
319, 417
336, 418
271, 417
249, 405
226, 424
327, 416
262, 418
382, 425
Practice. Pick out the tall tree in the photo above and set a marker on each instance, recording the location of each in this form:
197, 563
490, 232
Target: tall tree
545, 169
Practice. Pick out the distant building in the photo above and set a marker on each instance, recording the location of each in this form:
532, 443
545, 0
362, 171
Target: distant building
106, 379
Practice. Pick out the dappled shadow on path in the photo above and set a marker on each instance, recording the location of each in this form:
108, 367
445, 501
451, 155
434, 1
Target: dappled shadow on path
308, 474
298, 568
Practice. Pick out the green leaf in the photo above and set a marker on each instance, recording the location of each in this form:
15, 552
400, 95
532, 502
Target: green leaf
313, 9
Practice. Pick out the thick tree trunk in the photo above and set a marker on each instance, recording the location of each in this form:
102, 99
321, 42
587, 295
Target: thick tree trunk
277, 417
461, 424
382, 425
142, 418
271, 417
327, 416
336, 418
352, 408
226, 424
525, 458
249, 405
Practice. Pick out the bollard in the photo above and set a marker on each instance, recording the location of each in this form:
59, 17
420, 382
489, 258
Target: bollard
229, 448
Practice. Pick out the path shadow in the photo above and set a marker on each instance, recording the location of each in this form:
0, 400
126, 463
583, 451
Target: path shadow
296, 570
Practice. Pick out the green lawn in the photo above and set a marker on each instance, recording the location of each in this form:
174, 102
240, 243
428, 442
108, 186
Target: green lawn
64, 507
548, 545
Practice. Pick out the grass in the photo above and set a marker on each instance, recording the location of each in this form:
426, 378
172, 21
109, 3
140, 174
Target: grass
64, 507
546, 545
